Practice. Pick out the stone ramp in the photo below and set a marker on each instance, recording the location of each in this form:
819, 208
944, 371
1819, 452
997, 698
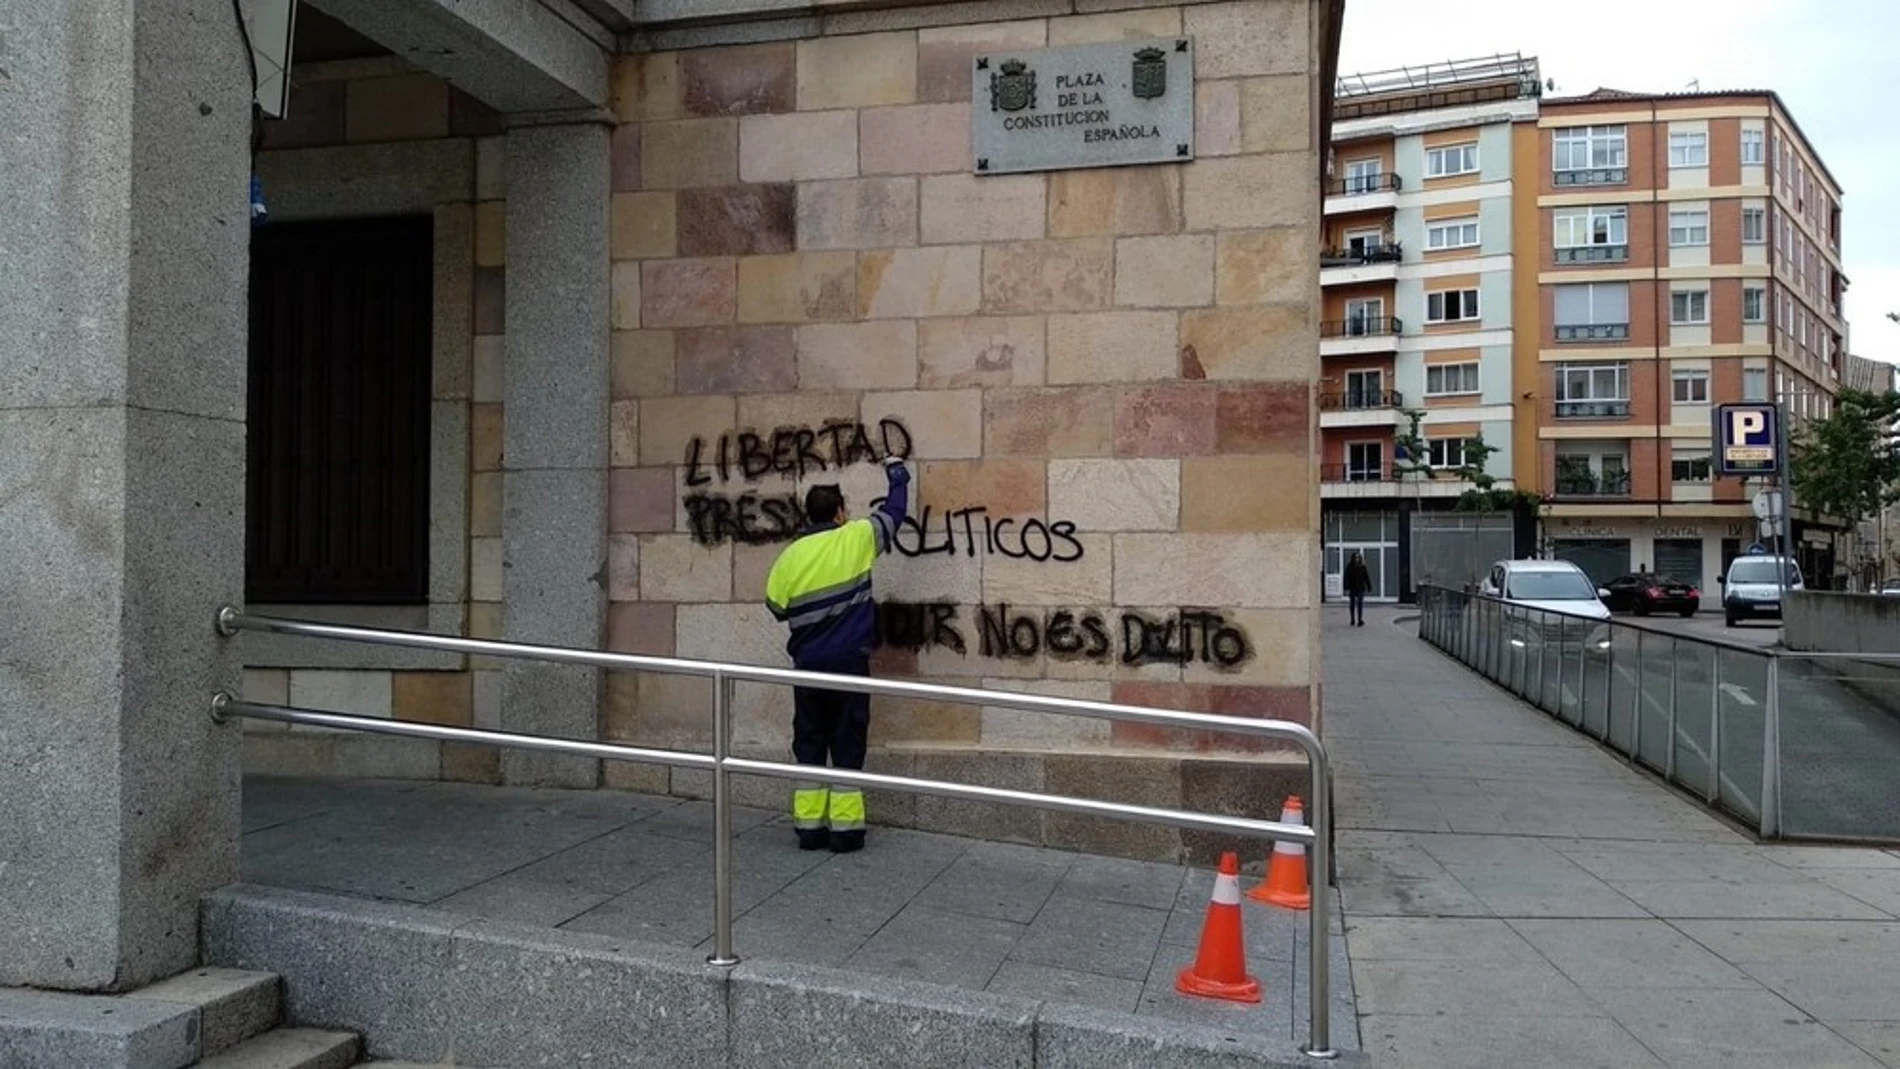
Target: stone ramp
978, 923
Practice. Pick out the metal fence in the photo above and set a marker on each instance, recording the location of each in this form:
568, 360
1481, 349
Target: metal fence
1316, 837
1453, 549
1795, 745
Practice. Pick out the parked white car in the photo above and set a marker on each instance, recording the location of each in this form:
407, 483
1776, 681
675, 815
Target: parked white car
1550, 586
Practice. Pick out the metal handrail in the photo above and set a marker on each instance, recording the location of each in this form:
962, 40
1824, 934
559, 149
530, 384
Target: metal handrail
1317, 836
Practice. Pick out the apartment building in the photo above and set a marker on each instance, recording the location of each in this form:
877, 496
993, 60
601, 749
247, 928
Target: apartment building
1417, 282
1579, 282
1686, 253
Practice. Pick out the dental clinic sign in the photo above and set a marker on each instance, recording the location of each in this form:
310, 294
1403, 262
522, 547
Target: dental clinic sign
1083, 106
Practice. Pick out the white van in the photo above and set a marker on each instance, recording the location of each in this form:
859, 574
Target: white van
1751, 589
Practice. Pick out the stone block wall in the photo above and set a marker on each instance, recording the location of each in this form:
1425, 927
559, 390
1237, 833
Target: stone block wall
1102, 380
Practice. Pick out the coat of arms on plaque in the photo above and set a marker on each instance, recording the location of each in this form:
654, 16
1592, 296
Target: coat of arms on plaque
1150, 78
1014, 88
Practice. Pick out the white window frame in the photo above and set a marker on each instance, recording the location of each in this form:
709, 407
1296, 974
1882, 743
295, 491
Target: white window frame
1463, 159
1689, 148
1690, 456
1759, 216
1684, 306
1377, 472
1756, 140
1467, 305
1613, 218
1469, 382
1689, 386
1610, 143
1759, 296
1758, 377
1463, 230
1685, 231
1366, 181
1374, 375
1617, 370
1438, 452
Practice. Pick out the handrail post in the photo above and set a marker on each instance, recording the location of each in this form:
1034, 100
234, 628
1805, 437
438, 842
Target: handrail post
722, 824
1771, 753
1319, 942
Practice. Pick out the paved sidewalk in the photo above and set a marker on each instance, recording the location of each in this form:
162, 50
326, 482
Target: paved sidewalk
1517, 896
986, 916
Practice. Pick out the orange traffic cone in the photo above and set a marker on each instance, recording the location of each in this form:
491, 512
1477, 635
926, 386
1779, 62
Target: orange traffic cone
1286, 884
1220, 968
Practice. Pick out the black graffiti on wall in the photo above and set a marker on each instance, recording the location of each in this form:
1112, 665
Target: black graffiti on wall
796, 451
1133, 638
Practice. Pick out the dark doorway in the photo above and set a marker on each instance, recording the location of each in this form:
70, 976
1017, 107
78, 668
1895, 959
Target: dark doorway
337, 495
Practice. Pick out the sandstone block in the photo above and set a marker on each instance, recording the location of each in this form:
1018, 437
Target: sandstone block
798, 147
407, 107
623, 567
857, 356
1073, 422
673, 567
1025, 581
1262, 341
798, 288
859, 71
484, 504
899, 722
751, 564
491, 167
1281, 651
689, 153
944, 424
266, 686
623, 154
623, 434
1263, 266
863, 213
640, 500
944, 54
1011, 728
765, 413
486, 369
1116, 495
1244, 38
434, 698
625, 295
915, 139
1275, 189
1112, 26
1113, 347
1247, 493
484, 569
642, 627
334, 691
669, 424
743, 80
1115, 201
932, 577
491, 300
645, 226
642, 363
963, 207
491, 232
1216, 118
981, 351
673, 711
484, 437
736, 220
736, 360
1276, 114
1165, 421
1165, 272
1267, 417
971, 666
1005, 487
647, 86
1048, 276
688, 293
1242, 570
940, 280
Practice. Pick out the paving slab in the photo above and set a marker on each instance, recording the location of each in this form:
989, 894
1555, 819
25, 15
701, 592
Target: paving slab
1754, 1029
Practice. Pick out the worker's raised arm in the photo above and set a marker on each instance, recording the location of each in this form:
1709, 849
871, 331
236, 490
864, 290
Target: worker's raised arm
889, 515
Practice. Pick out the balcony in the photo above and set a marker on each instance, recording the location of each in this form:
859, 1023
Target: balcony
1593, 409
1593, 254
1595, 176
1581, 482
1359, 264
1363, 193
1593, 332
1358, 335
1357, 473
1361, 408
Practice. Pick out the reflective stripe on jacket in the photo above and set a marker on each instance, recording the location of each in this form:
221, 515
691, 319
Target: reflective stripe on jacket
821, 585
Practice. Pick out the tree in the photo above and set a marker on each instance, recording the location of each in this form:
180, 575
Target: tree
1414, 458
1847, 464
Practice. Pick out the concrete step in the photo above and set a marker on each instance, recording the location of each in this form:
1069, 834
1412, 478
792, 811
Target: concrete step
233, 1004
291, 1048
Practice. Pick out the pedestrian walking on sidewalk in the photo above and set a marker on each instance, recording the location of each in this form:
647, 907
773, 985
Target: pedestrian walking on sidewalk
1358, 583
821, 587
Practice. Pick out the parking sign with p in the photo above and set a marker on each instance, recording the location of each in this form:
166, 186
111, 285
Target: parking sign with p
1747, 439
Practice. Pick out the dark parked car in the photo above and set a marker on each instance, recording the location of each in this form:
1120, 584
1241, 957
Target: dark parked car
1643, 593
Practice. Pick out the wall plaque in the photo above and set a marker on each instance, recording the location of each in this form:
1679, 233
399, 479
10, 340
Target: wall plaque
1103, 105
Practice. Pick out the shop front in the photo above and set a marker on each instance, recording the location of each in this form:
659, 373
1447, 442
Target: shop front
1695, 550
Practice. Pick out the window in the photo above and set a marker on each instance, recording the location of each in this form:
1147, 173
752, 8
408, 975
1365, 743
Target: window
1754, 304
1365, 462
1593, 390
1451, 306
1451, 234
1445, 452
1754, 226
1365, 389
1689, 466
1450, 160
1689, 307
1689, 149
1362, 244
1595, 311
1445, 379
1752, 153
1689, 227
1585, 148
1364, 316
1754, 384
1363, 176
1576, 227
1593, 475
1690, 387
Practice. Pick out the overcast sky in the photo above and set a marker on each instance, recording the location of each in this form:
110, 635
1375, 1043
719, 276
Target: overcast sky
1832, 61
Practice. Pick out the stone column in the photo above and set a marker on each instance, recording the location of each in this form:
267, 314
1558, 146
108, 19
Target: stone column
123, 257
555, 448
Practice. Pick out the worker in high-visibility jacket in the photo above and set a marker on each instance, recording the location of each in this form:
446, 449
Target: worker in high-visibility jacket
821, 586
